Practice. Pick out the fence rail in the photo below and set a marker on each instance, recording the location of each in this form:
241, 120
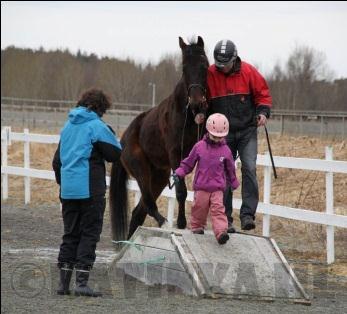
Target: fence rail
34, 108
329, 166
298, 122
49, 104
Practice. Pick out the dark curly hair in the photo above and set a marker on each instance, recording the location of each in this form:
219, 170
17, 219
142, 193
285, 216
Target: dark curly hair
95, 100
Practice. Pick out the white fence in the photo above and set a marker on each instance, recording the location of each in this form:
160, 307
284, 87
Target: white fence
52, 113
329, 166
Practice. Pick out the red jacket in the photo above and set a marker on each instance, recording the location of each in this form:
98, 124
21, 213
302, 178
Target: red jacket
240, 95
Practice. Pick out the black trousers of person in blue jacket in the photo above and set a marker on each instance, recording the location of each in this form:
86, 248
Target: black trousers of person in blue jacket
83, 220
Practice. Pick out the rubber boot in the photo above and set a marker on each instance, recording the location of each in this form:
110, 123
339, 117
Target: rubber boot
65, 278
223, 238
247, 223
231, 228
82, 288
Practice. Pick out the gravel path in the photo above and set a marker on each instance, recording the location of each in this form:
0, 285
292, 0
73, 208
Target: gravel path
30, 239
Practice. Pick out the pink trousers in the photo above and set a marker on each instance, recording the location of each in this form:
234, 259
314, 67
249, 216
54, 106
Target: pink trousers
203, 202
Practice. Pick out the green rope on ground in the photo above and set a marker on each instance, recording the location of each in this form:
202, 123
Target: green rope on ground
154, 260
136, 245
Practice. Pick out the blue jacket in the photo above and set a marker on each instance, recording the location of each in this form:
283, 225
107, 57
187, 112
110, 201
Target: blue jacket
79, 162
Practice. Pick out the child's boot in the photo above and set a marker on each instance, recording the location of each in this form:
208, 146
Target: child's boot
223, 238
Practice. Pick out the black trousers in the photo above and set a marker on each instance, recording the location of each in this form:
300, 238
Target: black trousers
83, 221
246, 144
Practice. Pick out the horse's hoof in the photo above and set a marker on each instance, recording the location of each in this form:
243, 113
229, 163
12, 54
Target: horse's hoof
161, 221
165, 225
181, 223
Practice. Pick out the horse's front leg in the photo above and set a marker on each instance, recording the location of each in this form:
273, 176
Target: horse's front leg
181, 188
181, 195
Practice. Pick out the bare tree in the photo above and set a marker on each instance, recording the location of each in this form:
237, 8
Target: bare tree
304, 82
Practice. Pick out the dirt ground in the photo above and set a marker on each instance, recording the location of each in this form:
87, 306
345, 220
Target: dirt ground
30, 238
294, 188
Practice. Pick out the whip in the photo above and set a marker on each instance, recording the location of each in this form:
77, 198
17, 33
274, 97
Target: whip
272, 160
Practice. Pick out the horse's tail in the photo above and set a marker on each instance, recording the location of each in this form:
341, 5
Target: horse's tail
119, 202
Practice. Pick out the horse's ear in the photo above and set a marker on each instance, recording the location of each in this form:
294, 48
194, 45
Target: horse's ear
200, 42
182, 43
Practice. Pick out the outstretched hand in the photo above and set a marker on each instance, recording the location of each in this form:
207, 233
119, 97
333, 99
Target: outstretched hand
175, 178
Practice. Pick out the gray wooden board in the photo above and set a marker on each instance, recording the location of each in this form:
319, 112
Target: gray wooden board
151, 255
155, 238
245, 265
151, 274
152, 259
144, 236
189, 264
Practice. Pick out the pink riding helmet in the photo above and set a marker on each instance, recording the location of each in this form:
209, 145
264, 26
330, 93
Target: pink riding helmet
217, 125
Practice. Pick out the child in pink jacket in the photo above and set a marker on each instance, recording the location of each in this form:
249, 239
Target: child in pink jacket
215, 168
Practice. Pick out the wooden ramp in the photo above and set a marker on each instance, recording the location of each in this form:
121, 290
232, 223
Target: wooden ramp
247, 266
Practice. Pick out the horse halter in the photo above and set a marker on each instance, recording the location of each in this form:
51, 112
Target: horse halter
205, 105
194, 86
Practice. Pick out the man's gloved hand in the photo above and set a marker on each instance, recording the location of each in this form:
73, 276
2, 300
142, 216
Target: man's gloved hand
261, 119
175, 178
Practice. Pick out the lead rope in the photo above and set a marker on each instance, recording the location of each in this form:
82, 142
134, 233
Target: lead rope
182, 140
184, 127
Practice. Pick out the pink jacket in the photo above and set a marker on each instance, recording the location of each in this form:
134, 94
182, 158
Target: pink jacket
215, 167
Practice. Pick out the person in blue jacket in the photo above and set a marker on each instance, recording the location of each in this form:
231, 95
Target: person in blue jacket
86, 142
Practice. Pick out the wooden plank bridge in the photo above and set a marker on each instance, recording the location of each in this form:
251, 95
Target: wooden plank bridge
246, 267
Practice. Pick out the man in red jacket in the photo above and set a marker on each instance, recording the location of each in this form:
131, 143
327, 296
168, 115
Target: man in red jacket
237, 90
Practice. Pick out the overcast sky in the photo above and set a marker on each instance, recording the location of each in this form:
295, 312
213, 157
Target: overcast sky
264, 32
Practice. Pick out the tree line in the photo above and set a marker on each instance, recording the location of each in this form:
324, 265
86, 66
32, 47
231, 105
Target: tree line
303, 83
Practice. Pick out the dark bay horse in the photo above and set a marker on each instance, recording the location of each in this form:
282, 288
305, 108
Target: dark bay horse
156, 141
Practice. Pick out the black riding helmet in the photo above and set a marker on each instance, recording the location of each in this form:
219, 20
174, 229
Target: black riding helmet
225, 53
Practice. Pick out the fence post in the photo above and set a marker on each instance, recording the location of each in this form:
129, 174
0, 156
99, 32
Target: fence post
267, 193
171, 211
26, 165
6, 131
329, 187
137, 197
300, 126
321, 126
282, 124
118, 123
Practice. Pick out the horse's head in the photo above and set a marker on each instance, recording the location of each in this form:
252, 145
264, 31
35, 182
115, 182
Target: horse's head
195, 65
